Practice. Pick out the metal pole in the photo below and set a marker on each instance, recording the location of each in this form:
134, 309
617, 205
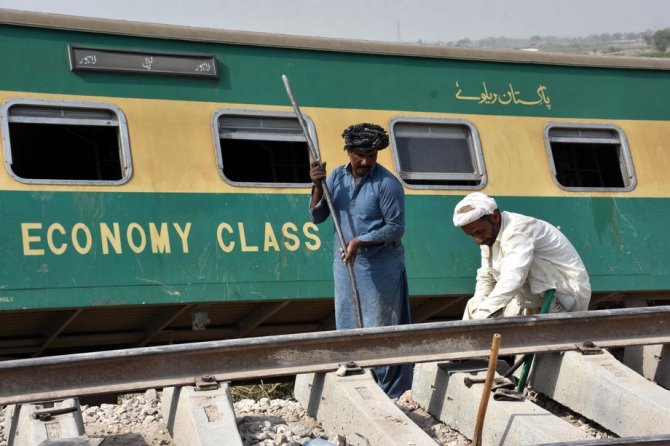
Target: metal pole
314, 155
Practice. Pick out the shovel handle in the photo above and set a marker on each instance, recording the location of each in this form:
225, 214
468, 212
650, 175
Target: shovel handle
486, 391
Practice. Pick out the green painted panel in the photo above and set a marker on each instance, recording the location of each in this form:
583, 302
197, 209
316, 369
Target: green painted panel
36, 60
226, 247
619, 239
65, 240
104, 296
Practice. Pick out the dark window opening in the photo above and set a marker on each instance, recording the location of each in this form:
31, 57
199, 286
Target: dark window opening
65, 152
587, 165
248, 161
259, 149
590, 157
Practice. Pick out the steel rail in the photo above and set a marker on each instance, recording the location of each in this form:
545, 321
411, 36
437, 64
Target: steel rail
662, 439
116, 371
314, 156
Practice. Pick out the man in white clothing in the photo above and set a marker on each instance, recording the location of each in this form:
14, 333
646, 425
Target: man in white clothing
521, 258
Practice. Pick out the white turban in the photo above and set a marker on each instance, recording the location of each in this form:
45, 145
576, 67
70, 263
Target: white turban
472, 208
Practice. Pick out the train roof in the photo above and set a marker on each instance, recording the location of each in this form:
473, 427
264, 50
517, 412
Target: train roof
163, 31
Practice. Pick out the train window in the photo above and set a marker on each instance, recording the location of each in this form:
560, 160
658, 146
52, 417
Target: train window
438, 153
589, 157
58, 142
262, 148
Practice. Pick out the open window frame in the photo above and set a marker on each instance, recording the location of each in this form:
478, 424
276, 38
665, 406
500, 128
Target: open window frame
69, 115
592, 136
289, 133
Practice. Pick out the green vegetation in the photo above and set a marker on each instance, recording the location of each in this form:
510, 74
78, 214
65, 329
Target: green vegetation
661, 40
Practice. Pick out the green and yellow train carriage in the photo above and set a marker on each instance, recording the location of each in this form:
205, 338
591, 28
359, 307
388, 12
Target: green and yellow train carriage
156, 182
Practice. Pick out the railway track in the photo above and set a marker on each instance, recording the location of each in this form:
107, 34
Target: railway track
199, 365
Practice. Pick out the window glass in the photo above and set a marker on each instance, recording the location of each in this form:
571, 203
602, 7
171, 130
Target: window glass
438, 153
257, 148
51, 142
589, 157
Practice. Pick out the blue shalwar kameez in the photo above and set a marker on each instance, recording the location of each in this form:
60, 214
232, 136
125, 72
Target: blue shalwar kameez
374, 211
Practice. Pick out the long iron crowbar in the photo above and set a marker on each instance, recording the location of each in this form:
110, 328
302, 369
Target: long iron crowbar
314, 155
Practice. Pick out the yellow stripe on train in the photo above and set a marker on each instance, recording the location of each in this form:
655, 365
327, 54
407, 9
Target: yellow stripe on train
173, 149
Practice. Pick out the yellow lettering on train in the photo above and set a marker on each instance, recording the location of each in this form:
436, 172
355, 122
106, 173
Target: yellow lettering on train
28, 239
315, 242
108, 236
82, 239
183, 235
134, 246
243, 239
58, 250
88, 240
290, 237
219, 236
57, 239
270, 238
160, 241
292, 242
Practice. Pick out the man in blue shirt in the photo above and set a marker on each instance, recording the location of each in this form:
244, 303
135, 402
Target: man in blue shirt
370, 205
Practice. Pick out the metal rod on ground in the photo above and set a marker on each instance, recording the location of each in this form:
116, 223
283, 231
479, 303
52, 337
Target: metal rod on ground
516, 365
486, 392
528, 361
314, 155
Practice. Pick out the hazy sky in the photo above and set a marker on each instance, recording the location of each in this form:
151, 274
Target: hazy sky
392, 20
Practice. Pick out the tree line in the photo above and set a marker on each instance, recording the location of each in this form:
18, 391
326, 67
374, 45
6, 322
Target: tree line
655, 40
660, 40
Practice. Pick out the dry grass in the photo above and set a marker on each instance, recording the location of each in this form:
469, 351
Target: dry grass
281, 390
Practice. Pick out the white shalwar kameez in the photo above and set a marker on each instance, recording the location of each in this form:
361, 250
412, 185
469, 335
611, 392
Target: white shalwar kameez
528, 257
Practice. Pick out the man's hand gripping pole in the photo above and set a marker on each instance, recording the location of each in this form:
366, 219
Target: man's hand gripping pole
314, 156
